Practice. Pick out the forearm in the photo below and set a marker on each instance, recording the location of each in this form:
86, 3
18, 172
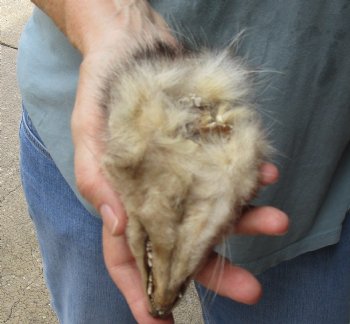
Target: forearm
90, 24
62, 12
55, 9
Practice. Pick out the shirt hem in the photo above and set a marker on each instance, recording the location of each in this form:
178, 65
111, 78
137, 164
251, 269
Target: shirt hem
308, 244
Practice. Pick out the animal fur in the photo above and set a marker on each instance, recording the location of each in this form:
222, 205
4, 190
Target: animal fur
184, 149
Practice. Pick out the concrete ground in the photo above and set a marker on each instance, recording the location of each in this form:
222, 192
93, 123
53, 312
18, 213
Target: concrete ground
23, 295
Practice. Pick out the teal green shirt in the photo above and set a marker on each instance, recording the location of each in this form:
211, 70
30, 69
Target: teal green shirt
304, 98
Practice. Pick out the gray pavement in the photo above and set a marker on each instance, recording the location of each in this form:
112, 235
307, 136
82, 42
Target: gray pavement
24, 298
23, 295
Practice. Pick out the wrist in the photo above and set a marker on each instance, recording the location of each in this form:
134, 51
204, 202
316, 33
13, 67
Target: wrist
92, 26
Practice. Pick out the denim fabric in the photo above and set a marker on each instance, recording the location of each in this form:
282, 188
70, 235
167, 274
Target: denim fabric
70, 241
313, 288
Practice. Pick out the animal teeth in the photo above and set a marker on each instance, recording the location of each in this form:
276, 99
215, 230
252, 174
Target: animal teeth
150, 285
150, 265
149, 262
149, 289
191, 101
220, 119
148, 246
149, 253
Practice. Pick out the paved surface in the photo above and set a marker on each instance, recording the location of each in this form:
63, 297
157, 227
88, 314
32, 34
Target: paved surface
24, 298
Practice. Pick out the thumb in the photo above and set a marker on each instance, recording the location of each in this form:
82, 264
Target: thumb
88, 124
96, 189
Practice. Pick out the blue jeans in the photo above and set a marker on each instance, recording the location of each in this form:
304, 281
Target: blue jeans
69, 239
311, 289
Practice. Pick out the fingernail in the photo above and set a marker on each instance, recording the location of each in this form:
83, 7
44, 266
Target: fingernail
269, 176
109, 218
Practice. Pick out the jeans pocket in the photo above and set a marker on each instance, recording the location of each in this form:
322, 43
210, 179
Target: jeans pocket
28, 130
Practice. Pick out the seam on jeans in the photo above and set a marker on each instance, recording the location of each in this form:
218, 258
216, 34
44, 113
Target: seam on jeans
33, 139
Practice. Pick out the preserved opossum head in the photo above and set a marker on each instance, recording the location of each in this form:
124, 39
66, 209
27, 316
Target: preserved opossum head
184, 149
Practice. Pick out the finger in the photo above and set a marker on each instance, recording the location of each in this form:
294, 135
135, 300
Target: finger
87, 129
262, 220
268, 174
123, 271
96, 189
229, 281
